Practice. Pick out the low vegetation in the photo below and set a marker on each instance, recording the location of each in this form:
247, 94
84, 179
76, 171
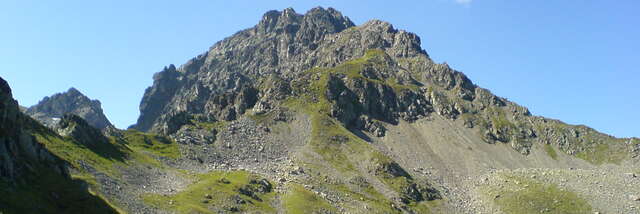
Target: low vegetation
589, 145
216, 192
603, 153
151, 143
299, 200
46, 191
364, 193
103, 158
134, 146
519, 195
551, 151
338, 146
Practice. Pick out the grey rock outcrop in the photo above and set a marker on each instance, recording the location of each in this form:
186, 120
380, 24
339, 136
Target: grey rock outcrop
74, 126
225, 82
51, 109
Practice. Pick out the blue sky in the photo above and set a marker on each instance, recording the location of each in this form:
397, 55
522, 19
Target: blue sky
571, 60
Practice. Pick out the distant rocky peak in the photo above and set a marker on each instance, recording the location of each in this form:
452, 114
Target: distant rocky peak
60, 103
50, 109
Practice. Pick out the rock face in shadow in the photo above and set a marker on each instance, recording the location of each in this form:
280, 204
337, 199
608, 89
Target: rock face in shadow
51, 109
79, 130
74, 126
18, 149
30, 172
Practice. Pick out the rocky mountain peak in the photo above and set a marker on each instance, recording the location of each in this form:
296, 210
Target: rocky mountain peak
323, 21
223, 82
308, 113
50, 109
370, 75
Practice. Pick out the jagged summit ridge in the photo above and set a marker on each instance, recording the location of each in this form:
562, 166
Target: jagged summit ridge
50, 109
322, 21
283, 44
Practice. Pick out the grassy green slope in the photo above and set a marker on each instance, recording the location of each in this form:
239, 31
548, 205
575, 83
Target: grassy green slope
519, 195
44, 191
40, 189
339, 147
215, 192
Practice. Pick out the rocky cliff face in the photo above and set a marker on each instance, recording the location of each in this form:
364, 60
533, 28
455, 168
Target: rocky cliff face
51, 109
225, 82
33, 179
19, 151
